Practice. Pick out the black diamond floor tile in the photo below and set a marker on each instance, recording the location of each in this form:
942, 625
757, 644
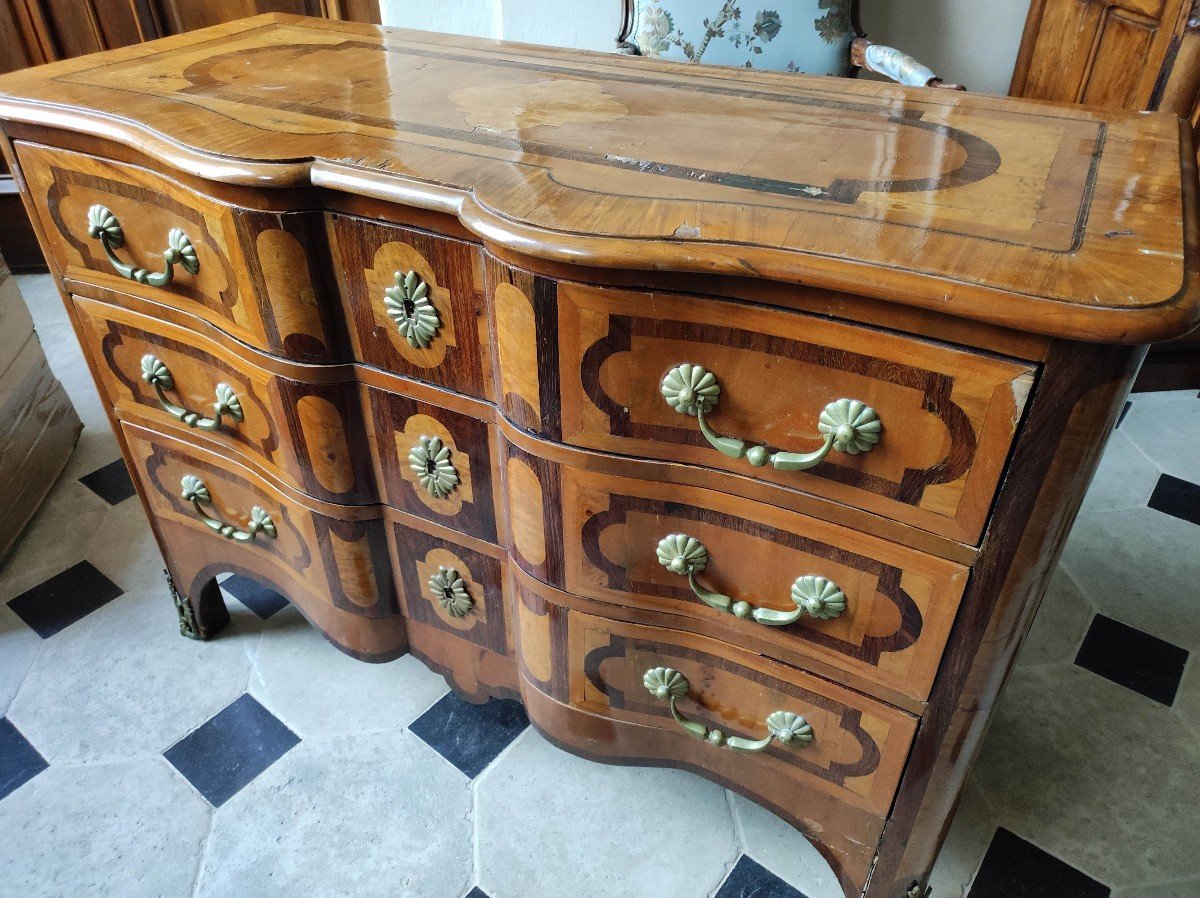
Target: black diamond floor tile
225, 754
262, 600
55, 604
470, 736
749, 879
1013, 868
1178, 498
1134, 659
19, 761
476, 893
111, 483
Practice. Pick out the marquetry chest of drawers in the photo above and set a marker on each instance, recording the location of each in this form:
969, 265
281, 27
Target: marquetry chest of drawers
731, 421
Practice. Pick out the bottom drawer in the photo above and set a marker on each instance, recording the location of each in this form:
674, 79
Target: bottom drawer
451, 590
213, 516
598, 686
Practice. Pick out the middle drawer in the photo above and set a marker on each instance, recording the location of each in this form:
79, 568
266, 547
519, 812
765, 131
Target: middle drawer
316, 427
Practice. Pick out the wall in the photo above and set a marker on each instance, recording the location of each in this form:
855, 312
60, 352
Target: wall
971, 41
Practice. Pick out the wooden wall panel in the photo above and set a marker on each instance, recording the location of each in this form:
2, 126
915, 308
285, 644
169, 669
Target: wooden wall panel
1096, 51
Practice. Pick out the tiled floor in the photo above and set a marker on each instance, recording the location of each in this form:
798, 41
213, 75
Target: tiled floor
135, 762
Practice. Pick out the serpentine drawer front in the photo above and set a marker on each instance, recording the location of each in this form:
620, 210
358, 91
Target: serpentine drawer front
715, 454
251, 275
914, 430
813, 594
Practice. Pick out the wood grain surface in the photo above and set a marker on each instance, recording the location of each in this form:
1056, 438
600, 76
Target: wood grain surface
934, 199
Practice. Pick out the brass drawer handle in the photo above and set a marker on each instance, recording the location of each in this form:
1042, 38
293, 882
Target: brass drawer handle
815, 596
159, 376
194, 490
846, 425
409, 307
450, 591
430, 460
103, 226
667, 685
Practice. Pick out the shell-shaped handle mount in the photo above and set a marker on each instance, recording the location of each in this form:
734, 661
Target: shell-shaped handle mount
668, 685
104, 226
430, 460
844, 425
449, 590
195, 490
227, 404
815, 596
408, 305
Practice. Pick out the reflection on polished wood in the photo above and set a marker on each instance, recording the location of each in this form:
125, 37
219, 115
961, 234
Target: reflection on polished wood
445, 280
941, 200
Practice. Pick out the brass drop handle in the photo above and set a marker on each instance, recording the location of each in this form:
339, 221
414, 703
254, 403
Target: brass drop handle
159, 376
103, 226
194, 490
846, 425
667, 685
815, 596
408, 305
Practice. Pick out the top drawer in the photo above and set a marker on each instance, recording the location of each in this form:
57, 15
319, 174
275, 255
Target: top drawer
246, 272
926, 427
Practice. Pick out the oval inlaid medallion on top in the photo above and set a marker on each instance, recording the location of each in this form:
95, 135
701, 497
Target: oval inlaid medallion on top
517, 107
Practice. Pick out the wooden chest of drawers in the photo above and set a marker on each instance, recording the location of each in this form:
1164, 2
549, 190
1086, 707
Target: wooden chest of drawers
730, 421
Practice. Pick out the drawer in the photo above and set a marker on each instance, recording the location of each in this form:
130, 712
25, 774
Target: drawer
249, 273
310, 433
414, 302
452, 585
839, 786
435, 462
589, 366
331, 561
816, 595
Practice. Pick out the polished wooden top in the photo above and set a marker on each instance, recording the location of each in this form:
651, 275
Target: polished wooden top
1063, 221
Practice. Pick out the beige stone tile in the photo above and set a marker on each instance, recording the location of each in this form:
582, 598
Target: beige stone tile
1061, 623
1125, 478
1096, 774
318, 690
551, 824
1187, 699
122, 682
130, 828
783, 850
19, 645
1141, 567
1166, 427
60, 534
375, 815
1184, 888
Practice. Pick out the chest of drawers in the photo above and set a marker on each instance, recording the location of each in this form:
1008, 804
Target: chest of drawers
729, 421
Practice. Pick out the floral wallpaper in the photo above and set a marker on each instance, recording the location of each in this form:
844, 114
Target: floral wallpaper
816, 34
